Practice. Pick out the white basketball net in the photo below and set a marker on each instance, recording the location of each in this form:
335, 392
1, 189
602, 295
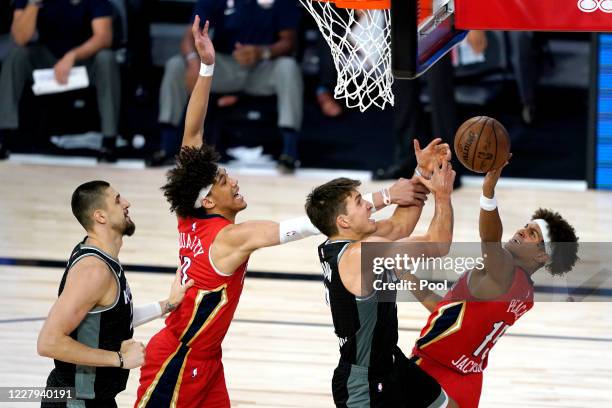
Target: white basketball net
360, 43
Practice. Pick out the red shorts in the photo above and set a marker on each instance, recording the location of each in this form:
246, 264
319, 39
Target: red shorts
464, 389
173, 375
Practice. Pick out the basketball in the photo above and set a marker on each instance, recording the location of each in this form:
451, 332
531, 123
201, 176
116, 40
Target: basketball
482, 144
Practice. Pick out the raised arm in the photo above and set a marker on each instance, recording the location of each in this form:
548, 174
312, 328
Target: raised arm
497, 260
89, 284
410, 195
440, 229
198, 103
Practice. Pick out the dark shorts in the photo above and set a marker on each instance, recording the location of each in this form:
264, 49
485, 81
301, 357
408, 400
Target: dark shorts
403, 385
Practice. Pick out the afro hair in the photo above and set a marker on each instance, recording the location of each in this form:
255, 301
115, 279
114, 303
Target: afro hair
565, 250
196, 168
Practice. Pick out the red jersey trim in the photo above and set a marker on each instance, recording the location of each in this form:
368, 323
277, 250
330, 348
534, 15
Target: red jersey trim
198, 309
451, 328
175, 393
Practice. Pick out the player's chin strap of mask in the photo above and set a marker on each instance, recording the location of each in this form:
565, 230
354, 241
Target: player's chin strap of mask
201, 195
548, 245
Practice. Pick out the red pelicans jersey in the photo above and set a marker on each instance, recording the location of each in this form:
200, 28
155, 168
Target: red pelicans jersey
203, 318
462, 330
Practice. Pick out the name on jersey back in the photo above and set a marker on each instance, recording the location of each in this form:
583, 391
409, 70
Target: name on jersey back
191, 242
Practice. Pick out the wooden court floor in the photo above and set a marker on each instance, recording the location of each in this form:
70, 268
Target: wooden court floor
281, 350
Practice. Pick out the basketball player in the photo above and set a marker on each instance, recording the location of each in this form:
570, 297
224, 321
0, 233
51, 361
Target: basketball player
372, 371
463, 327
89, 329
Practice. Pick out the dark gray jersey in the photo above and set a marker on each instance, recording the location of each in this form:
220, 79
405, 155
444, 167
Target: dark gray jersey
102, 328
366, 328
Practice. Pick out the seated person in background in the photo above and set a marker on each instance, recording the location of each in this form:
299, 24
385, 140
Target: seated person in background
327, 82
523, 56
254, 42
69, 33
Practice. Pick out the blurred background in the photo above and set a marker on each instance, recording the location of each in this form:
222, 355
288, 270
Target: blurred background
543, 87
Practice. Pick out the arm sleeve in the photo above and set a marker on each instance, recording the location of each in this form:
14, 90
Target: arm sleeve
20, 4
146, 313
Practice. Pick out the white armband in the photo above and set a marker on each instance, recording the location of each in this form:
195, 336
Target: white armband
146, 313
386, 197
296, 228
206, 70
488, 204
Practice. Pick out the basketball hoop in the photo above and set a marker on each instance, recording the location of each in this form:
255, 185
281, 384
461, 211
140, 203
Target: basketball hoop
358, 35
368, 50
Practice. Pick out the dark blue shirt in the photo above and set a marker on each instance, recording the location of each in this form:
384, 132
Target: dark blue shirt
65, 24
256, 22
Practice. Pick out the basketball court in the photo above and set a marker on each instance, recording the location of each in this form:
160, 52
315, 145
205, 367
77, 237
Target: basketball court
281, 349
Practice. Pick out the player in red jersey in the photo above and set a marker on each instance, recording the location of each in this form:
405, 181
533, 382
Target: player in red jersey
183, 361
464, 326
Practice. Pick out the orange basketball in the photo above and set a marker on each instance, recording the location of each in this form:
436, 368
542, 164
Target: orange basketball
482, 144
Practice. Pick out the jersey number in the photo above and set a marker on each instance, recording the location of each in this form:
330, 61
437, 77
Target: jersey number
492, 338
186, 263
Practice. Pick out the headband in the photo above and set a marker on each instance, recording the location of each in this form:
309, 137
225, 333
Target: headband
545, 235
201, 195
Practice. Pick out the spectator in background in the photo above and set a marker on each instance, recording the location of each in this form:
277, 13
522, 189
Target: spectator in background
69, 33
408, 117
254, 41
523, 57
327, 81
139, 15
408, 113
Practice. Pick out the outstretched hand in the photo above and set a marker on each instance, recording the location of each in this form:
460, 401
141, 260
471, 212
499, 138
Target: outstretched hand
491, 178
441, 183
405, 192
179, 288
434, 152
202, 41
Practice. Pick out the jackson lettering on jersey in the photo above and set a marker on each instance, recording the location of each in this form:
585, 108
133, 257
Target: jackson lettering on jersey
462, 330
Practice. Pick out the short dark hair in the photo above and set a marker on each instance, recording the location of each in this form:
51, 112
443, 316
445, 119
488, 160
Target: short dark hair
196, 168
326, 202
565, 252
86, 198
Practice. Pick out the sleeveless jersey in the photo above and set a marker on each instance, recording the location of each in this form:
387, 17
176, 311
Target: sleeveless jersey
204, 316
366, 328
102, 328
462, 330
